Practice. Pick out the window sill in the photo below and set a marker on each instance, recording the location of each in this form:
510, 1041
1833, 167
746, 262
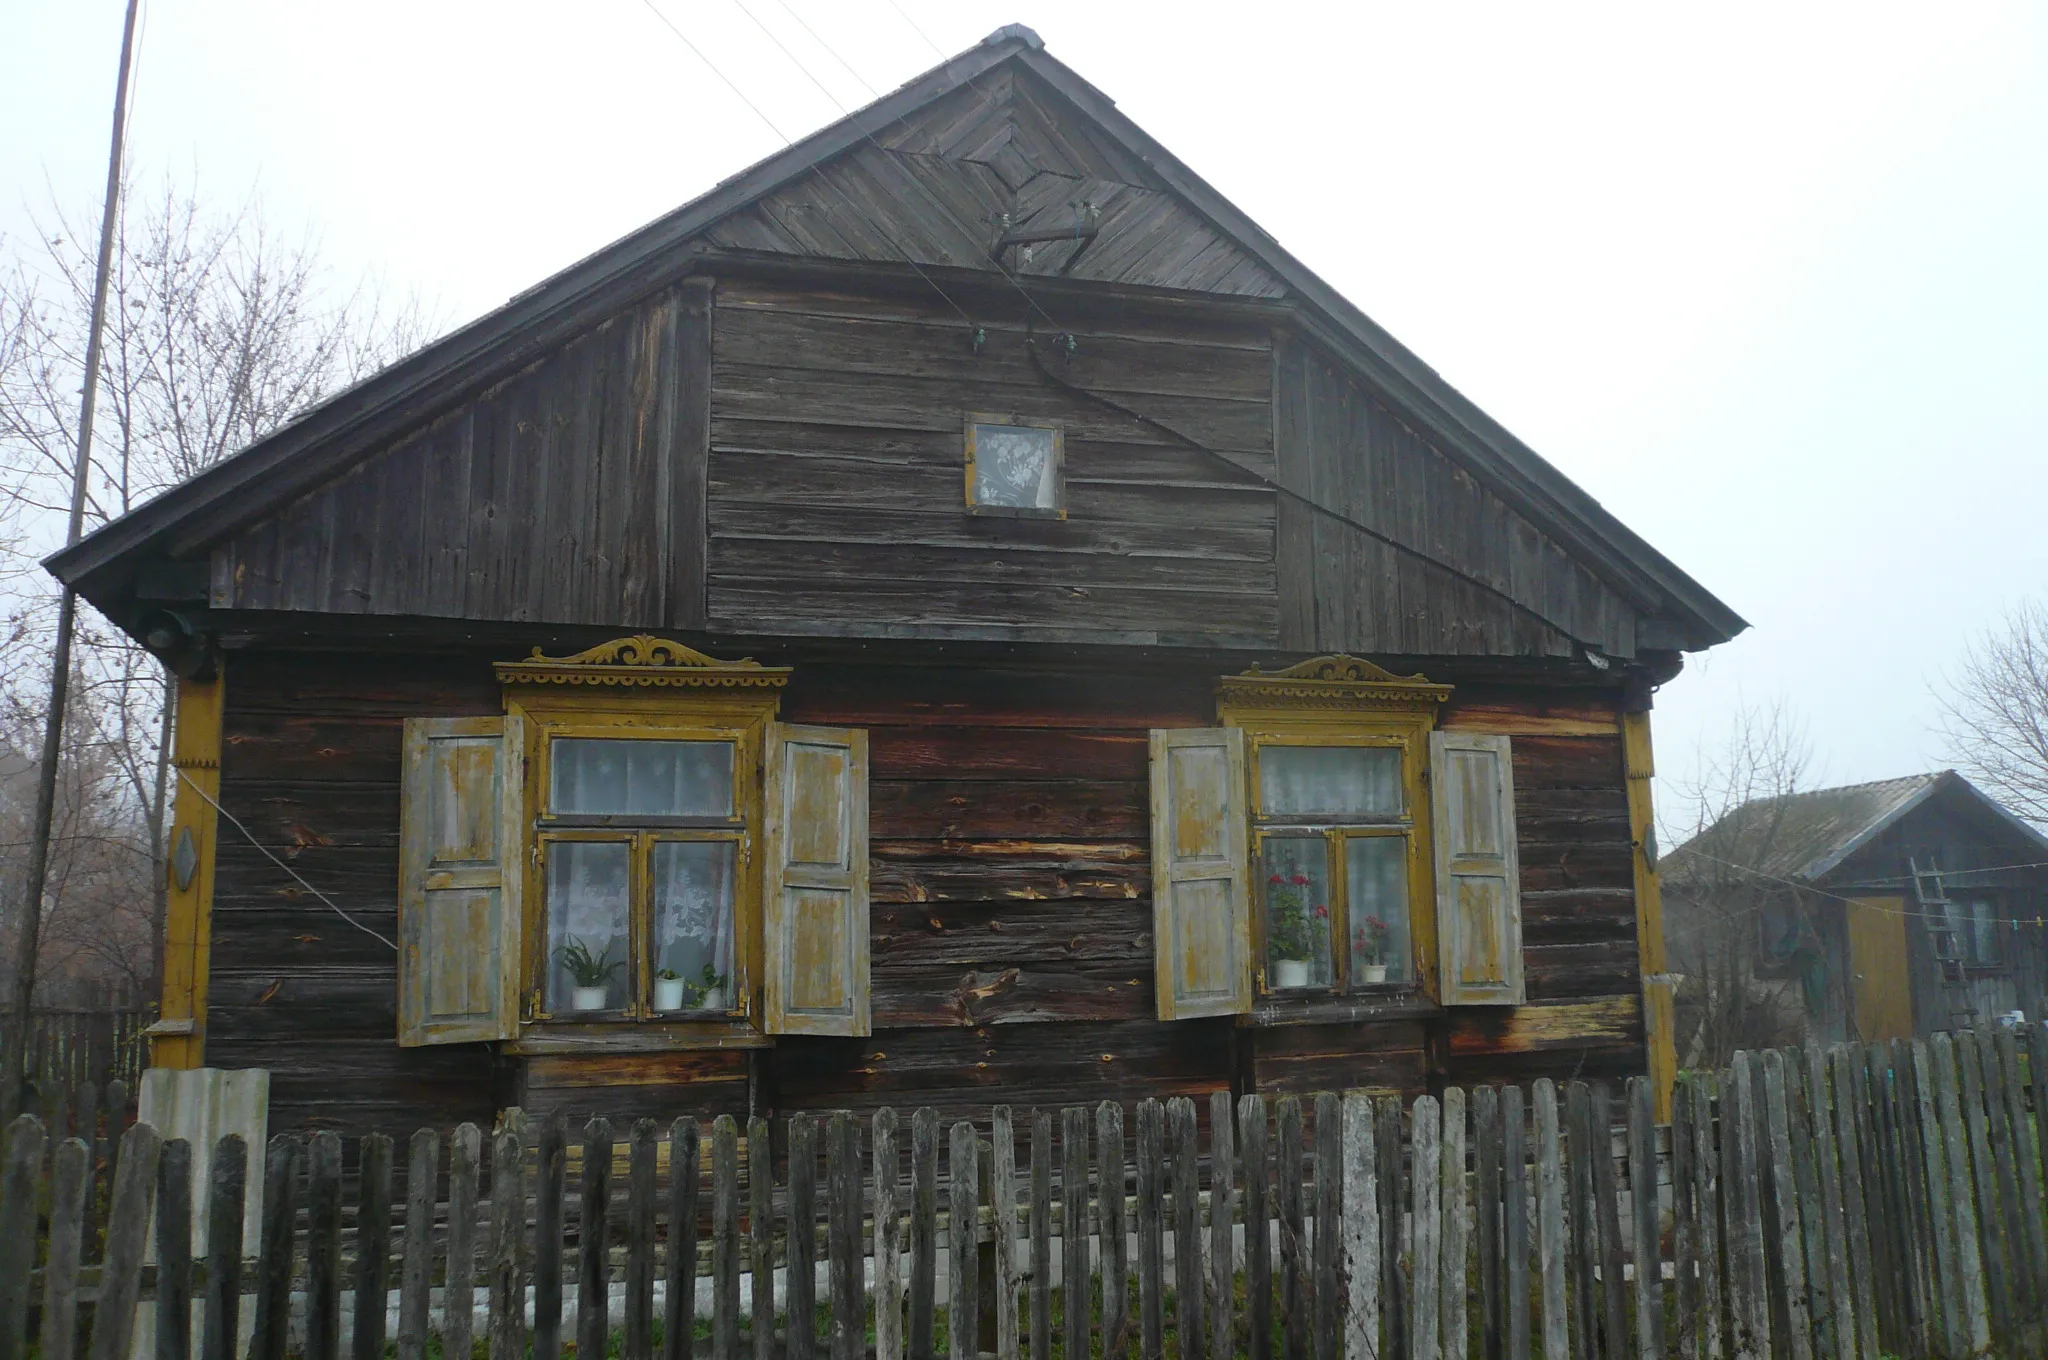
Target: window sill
1387, 1001
549, 1037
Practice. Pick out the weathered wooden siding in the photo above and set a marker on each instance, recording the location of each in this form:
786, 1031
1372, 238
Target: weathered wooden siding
1005, 154
569, 493
1011, 918
1342, 445
837, 500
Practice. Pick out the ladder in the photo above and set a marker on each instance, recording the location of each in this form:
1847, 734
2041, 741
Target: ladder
1939, 915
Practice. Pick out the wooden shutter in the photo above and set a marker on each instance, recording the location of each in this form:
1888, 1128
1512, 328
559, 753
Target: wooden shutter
816, 885
1478, 874
461, 823
1201, 873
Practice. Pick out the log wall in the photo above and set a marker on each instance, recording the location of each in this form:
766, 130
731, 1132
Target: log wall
1011, 919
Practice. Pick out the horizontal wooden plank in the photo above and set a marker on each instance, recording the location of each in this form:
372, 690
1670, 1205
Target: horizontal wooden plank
774, 557
902, 809
1528, 1029
1002, 753
1018, 994
955, 695
1164, 614
962, 934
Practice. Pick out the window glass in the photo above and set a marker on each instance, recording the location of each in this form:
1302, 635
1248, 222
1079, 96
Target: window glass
1297, 912
693, 928
589, 895
1015, 466
1976, 920
639, 777
1376, 877
1330, 780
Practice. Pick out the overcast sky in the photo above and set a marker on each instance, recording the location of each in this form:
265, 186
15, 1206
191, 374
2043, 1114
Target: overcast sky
1769, 281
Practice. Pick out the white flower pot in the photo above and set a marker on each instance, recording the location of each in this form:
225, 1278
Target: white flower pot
1290, 973
588, 998
1372, 972
668, 994
714, 999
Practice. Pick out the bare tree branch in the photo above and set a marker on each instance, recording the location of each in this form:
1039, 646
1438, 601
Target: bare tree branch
1995, 711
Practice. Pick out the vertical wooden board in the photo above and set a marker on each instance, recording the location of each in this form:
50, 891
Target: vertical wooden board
1395, 1299
1515, 1223
760, 1161
643, 562
1876, 1207
593, 1239
1426, 1210
1151, 1232
725, 1239
1837, 1320
1258, 1240
1927, 1292
1608, 1226
1784, 1189
924, 1234
1486, 1218
1295, 1304
1707, 1196
416, 1272
963, 1261
1189, 1280
1583, 1150
679, 1303
458, 1292
887, 1178
1685, 1250
1221, 1305
1075, 1275
1361, 1234
1646, 1244
1328, 1290
2002, 1138
70, 1181
687, 521
1901, 1274
848, 1254
226, 1201
1952, 1332
1553, 1248
1003, 1228
21, 1178
800, 1239
1975, 1305
373, 1245
1452, 1301
1110, 1192
1812, 1215
174, 1251
113, 1321
640, 1170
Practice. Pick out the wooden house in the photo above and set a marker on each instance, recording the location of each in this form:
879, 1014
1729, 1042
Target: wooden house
959, 598
1879, 911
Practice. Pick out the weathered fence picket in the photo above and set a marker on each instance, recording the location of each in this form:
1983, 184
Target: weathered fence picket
1810, 1204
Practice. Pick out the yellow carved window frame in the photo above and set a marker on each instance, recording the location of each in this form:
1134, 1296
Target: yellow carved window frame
1342, 701
644, 688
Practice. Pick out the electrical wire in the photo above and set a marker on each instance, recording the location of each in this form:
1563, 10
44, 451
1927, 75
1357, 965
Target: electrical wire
268, 854
873, 93
1865, 903
729, 82
918, 31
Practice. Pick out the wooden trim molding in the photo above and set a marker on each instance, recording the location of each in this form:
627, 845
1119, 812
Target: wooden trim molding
178, 1039
1338, 682
642, 661
1640, 768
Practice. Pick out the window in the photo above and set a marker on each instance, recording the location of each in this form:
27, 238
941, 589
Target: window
641, 846
1979, 938
1333, 845
1014, 467
1326, 840
636, 842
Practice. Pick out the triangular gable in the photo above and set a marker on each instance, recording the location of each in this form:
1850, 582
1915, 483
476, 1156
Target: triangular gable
1001, 128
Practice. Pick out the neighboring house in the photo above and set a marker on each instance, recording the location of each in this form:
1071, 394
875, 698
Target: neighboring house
1875, 911
909, 594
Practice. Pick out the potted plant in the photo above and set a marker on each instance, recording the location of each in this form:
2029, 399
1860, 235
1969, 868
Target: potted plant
1291, 928
591, 974
670, 990
712, 995
1369, 942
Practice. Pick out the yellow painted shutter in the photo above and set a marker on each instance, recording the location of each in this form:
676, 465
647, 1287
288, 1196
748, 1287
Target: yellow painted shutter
1201, 873
1478, 873
460, 836
816, 884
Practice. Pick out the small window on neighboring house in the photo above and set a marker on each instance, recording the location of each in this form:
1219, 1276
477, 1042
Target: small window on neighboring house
1014, 467
1978, 932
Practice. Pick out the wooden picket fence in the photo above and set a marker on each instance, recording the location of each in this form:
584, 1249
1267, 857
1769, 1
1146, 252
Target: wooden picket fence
1863, 1201
92, 1034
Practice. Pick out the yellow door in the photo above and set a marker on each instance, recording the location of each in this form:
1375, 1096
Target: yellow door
1877, 964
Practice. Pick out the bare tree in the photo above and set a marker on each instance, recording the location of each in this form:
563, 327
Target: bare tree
219, 329
1739, 932
1995, 711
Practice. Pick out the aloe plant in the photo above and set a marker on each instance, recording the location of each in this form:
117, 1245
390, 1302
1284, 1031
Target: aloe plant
585, 969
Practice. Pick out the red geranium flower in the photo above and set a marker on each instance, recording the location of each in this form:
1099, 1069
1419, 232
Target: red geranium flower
1301, 880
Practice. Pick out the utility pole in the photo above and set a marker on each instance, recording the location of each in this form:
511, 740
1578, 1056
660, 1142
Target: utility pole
14, 1078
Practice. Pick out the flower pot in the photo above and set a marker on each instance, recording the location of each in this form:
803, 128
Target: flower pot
588, 998
714, 999
668, 994
1290, 973
1372, 972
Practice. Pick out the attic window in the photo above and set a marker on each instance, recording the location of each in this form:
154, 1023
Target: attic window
1014, 467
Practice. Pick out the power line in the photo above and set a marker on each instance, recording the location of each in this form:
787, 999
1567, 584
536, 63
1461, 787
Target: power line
918, 31
872, 91
729, 84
